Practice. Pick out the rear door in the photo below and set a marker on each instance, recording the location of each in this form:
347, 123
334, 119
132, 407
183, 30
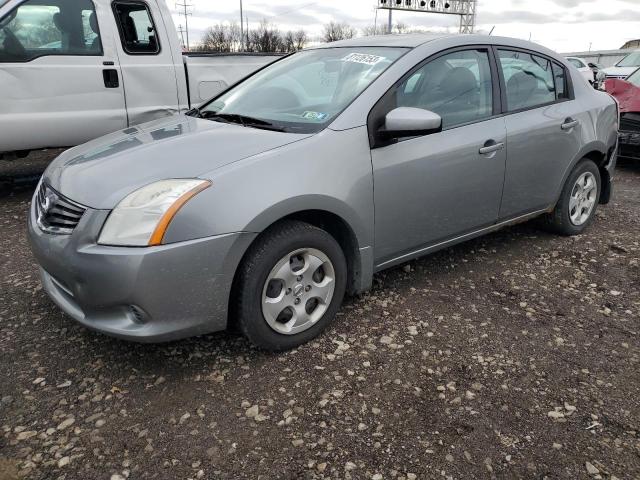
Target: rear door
58, 74
544, 127
146, 59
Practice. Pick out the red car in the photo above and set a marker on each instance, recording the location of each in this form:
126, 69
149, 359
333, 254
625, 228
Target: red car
627, 92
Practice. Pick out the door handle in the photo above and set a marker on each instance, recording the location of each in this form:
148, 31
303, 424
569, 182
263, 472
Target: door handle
491, 147
110, 76
569, 123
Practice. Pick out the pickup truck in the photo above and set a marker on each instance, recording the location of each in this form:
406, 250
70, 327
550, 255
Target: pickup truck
73, 70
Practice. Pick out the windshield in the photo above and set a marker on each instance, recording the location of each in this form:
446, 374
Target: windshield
631, 60
303, 92
634, 78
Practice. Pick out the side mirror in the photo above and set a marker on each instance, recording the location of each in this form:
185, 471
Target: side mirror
410, 122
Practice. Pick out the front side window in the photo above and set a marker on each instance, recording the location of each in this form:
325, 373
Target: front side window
456, 86
528, 78
303, 92
38, 28
137, 30
631, 60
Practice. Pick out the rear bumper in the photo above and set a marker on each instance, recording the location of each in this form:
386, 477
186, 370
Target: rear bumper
149, 294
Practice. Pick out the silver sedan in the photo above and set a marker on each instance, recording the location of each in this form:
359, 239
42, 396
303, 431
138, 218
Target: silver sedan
263, 207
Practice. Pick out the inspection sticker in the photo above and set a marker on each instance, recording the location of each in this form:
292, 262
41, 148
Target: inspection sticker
365, 58
314, 115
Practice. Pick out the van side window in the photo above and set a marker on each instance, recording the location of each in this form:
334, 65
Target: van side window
38, 28
529, 80
136, 27
457, 86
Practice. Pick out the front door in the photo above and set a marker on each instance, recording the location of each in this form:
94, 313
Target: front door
148, 66
58, 75
434, 188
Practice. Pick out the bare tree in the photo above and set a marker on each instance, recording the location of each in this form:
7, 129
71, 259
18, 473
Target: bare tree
334, 31
400, 27
266, 38
221, 38
374, 30
300, 39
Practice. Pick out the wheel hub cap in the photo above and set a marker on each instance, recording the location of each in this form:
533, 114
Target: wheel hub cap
298, 291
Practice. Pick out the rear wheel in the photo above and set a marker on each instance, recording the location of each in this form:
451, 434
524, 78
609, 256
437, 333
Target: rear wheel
290, 286
578, 202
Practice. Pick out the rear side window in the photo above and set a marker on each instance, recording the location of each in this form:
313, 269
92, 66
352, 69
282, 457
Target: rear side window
137, 30
529, 80
560, 76
38, 28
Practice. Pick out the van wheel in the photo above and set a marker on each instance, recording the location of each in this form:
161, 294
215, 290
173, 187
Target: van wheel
578, 202
289, 286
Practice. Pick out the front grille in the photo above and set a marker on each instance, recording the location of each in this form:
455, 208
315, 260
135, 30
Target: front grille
619, 77
55, 213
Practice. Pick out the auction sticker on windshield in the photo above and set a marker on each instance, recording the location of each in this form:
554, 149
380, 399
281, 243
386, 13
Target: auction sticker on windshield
314, 115
365, 58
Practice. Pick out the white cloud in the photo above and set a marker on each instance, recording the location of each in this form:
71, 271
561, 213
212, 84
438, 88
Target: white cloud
563, 25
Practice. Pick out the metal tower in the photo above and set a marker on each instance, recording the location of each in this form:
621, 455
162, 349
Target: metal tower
465, 9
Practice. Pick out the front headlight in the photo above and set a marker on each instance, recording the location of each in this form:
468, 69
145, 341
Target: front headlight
142, 218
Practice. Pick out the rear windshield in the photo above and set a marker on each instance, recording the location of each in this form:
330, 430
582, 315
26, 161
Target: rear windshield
304, 92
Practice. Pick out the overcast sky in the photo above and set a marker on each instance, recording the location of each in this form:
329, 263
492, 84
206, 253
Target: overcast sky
563, 25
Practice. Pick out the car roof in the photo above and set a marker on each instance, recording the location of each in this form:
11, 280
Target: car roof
408, 40
415, 40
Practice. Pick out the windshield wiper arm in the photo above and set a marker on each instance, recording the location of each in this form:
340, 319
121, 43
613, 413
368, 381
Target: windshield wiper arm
243, 120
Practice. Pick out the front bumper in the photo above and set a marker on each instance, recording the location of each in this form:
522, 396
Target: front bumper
629, 145
149, 294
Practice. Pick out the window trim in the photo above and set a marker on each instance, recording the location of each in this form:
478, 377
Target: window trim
503, 85
123, 43
53, 54
374, 116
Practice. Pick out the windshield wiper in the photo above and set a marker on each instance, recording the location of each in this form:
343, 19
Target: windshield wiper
243, 120
194, 112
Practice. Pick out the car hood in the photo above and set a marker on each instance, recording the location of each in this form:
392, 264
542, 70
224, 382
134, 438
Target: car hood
627, 94
100, 173
621, 72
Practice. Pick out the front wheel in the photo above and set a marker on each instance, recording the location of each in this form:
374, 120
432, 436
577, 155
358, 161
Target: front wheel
578, 202
289, 286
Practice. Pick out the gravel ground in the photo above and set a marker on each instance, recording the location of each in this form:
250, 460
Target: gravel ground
512, 356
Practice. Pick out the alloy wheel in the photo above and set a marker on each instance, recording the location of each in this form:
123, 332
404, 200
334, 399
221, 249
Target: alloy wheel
583, 198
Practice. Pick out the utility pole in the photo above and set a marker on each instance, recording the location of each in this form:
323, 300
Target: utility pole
241, 28
181, 30
390, 26
186, 14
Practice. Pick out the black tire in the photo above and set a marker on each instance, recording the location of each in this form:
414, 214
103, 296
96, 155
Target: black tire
559, 220
262, 256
